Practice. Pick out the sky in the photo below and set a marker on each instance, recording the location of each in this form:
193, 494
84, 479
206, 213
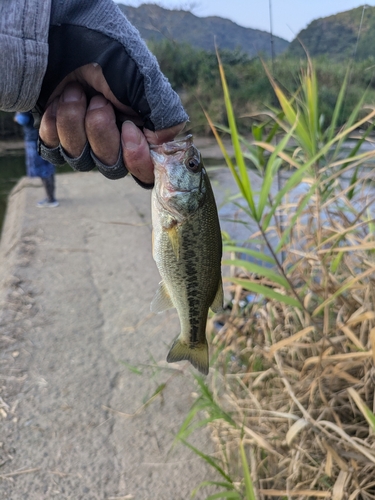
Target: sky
289, 17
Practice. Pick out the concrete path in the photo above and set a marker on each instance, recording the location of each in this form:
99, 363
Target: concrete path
80, 352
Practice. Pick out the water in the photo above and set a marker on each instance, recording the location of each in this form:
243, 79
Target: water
241, 227
234, 221
12, 168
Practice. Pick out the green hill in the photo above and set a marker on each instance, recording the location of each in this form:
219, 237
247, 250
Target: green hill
156, 23
336, 36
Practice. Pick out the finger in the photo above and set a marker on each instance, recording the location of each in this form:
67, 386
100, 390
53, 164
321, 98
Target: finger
102, 132
165, 135
136, 153
71, 113
48, 129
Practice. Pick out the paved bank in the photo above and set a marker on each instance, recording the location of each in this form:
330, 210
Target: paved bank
80, 352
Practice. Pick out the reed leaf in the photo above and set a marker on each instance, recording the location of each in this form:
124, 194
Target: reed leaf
301, 206
309, 86
225, 494
266, 291
349, 284
248, 251
336, 262
273, 166
294, 180
293, 117
258, 270
351, 124
243, 174
338, 108
364, 409
225, 154
211, 461
249, 488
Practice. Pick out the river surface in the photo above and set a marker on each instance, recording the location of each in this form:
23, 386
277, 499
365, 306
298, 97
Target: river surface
12, 167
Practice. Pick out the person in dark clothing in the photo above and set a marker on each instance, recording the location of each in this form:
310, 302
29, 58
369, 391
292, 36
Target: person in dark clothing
35, 165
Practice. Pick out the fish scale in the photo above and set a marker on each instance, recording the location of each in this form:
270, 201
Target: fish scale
187, 247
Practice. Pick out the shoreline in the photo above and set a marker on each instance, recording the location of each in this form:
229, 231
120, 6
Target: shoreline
206, 145
6, 147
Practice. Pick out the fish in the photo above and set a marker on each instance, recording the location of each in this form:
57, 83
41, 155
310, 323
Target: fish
187, 246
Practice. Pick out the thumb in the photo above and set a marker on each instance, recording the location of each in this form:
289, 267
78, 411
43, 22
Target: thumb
165, 135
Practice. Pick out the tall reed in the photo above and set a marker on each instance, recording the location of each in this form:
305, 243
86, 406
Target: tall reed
290, 400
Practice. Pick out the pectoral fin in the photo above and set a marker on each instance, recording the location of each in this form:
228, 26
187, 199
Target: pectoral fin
218, 303
175, 240
162, 300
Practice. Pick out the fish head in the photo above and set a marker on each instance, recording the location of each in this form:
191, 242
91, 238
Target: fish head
180, 176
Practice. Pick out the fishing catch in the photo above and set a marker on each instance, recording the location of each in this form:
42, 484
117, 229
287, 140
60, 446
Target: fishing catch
187, 246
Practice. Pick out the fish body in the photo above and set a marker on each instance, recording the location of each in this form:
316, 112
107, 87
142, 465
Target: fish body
187, 246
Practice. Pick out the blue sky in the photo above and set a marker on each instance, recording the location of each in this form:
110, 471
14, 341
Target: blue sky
289, 17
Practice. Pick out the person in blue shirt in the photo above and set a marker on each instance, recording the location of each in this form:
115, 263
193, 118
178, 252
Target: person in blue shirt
36, 166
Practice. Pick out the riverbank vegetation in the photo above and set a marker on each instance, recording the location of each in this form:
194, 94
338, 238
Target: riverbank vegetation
194, 73
290, 399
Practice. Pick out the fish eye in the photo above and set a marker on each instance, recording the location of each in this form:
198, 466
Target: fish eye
193, 164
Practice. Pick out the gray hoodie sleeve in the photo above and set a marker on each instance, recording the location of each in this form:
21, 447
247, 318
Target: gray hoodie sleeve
23, 52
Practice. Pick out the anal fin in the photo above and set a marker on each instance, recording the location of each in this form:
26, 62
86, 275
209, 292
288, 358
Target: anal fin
218, 302
162, 300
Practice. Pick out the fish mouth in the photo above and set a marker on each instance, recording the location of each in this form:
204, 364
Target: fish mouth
172, 147
172, 190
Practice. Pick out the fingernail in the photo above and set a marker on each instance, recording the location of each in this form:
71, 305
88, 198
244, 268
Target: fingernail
97, 102
72, 94
131, 136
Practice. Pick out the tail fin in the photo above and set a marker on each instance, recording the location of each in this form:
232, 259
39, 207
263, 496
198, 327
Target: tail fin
198, 356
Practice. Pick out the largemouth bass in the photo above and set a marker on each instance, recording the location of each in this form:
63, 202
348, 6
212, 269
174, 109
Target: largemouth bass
187, 246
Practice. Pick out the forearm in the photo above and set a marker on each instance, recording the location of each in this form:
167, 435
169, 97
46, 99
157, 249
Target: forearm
23, 52
97, 31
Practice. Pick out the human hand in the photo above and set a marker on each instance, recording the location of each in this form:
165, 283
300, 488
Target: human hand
83, 109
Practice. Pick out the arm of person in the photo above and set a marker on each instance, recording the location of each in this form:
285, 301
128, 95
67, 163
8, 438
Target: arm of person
99, 74
23, 52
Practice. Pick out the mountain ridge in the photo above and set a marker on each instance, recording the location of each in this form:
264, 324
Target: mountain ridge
340, 36
157, 23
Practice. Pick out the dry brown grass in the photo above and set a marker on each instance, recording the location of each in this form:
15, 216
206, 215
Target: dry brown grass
294, 380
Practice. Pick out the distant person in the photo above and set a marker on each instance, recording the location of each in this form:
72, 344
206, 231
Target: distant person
36, 166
